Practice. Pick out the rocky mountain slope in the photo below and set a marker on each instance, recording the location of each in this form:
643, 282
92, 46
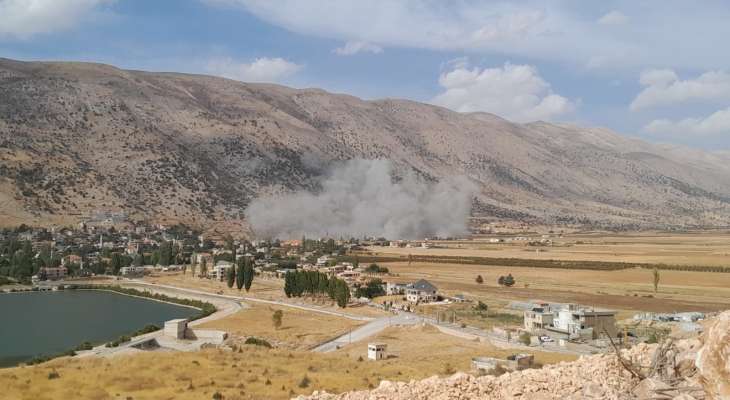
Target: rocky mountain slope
78, 137
686, 369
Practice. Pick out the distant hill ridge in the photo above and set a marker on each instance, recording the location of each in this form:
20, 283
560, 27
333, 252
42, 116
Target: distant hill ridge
78, 137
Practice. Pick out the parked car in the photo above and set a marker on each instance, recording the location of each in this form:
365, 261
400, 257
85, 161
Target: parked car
546, 339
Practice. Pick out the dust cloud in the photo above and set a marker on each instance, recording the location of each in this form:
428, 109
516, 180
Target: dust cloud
360, 198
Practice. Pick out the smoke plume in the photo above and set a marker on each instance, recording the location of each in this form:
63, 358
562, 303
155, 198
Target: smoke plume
360, 198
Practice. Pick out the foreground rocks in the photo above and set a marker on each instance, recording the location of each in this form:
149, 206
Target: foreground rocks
696, 368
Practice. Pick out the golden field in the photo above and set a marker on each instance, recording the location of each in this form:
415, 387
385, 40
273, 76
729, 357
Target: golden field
250, 373
702, 248
300, 329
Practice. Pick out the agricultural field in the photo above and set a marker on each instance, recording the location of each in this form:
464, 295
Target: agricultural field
629, 290
686, 249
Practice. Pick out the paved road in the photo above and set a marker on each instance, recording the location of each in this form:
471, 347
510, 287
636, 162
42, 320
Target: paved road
311, 308
231, 304
370, 329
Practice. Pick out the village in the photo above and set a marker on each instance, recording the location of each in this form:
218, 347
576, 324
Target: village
398, 296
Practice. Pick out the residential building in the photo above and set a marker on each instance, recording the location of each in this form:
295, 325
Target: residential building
324, 260
421, 291
53, 274
392, 288
132, 271
220, 270
572, 320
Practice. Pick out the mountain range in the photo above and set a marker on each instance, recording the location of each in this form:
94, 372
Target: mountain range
80, 137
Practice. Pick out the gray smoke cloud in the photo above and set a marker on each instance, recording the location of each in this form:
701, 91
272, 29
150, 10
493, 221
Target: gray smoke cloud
360, 198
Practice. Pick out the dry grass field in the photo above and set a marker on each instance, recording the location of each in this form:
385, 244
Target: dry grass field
299, 330
265, 289
702, 248
621, 290
423, 349
251, 373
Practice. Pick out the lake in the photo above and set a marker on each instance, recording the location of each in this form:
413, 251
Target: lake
46, 323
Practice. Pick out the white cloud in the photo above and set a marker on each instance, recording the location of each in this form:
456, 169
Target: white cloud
260, 70
717, 123
539, 30
663, 88
25, 18
614, 18
357, 46
515, 92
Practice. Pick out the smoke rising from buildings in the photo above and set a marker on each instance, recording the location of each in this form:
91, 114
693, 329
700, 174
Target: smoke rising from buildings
359, 197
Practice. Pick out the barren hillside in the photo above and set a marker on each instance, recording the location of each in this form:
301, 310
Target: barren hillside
78, 137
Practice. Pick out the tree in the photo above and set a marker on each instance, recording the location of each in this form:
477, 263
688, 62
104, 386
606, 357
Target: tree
204, 268
231, 276
166, 255
656, 279
508, 280
138, 260
289, 283
116, 263
479, 279
342, 293
248, 273
277, 317
240, 274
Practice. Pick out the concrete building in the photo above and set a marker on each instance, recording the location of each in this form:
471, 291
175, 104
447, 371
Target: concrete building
538, 318
220, 269
324, 260
377, 351
52, 274
421, 291
515, 362
392, 288
175, 328
132, 271
572, 320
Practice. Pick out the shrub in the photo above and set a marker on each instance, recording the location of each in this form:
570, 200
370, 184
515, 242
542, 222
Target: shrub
304, 383
525, 338
258, 342
53, 375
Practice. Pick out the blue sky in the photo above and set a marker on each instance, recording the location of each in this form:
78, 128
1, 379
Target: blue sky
654, 69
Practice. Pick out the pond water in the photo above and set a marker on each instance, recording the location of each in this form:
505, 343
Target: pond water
47, 323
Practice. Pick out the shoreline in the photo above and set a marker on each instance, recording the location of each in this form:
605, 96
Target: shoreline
152, 296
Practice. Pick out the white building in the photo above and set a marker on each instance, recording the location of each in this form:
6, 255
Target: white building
421, 292
377, 351
175, 328
324, 260
220, 270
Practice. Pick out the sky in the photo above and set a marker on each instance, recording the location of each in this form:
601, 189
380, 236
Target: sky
655, 69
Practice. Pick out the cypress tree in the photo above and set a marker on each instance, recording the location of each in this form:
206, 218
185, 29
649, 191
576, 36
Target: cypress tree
288, 284
248, 273
239, 275
231, 276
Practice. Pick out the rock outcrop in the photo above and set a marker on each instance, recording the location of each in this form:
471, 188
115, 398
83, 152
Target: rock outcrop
696, 368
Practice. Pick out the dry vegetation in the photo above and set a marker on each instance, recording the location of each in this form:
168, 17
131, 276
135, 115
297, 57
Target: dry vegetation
687, 249
251, 373
262, 288
622, 290
299, 330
